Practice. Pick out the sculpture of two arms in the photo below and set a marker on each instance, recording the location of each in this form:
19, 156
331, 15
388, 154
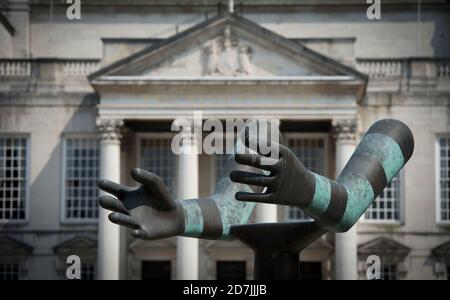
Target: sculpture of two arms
151, 213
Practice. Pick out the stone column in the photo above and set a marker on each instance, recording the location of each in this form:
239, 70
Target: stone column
267, 213
109, 256
187, 188
346, 252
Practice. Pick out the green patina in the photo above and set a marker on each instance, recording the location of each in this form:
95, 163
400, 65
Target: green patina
360, 196
232, 212
322, 197
384, 149
193, 218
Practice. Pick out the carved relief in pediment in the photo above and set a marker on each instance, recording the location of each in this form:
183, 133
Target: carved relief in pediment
227, 56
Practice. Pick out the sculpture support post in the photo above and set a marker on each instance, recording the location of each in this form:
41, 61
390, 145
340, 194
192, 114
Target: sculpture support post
277, 246
187, 188
108, 233
346, 255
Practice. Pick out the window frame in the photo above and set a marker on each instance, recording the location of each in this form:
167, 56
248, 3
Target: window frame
325, 136
63, 219
395, 271
153, 135
401, 220
17, 272
27, 138
84, 268
439, 220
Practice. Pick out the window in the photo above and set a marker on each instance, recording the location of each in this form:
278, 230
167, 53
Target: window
156, 270
231, 270
9, 271
13, 178
156, 156
81, 172
389, 272
387, 206
443, 181
312, 151
88, 271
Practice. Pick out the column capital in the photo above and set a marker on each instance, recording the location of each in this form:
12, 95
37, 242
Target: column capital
275, 121
109, 129
187, 124
344, 130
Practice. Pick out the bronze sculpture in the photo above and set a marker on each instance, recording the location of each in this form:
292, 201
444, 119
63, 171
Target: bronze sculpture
151, 213
151, 204
336, 205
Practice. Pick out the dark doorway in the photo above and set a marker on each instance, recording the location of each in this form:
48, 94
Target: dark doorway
156, 270
231, 270
310, 271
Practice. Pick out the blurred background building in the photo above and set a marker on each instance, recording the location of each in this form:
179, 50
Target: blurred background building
106, 87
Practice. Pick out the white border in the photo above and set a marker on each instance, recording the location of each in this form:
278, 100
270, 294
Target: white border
62, 213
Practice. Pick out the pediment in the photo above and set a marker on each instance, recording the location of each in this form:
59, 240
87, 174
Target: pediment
226, 46
76, 243
10, 246
223, 244
442, 250
383, 246
231, 55
145, 244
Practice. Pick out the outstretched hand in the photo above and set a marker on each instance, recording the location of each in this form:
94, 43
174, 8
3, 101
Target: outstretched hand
287, 182
149, 210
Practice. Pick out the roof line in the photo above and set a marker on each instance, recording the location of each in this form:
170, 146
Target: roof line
299, 46
8, 26
228, 78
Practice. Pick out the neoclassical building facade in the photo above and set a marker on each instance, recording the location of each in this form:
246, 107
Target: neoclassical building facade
93, 98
